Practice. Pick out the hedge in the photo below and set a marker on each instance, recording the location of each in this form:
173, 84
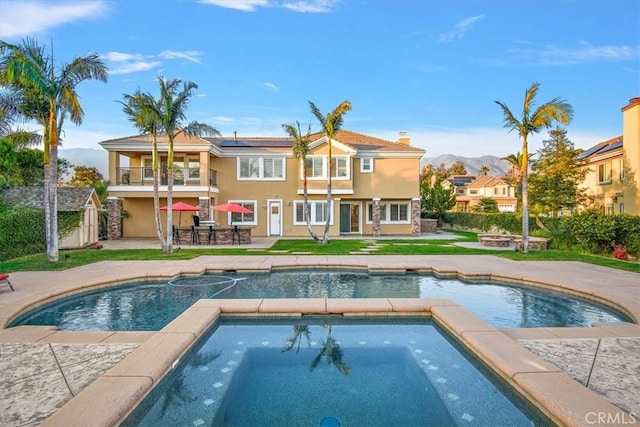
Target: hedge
23, 231
589, 231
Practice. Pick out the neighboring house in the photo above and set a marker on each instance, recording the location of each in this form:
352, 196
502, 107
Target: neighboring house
375, 187
471, 189
70, 199
613, 177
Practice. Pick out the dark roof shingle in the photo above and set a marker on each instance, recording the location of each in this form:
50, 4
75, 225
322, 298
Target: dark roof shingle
70, 199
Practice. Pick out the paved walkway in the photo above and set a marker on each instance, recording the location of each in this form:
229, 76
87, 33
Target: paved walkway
42, 368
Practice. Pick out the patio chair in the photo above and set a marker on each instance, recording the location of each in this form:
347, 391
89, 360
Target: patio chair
236, 235
176, 235
211, 235
4, 281
195, 237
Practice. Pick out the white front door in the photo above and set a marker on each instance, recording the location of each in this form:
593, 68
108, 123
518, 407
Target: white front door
275, 212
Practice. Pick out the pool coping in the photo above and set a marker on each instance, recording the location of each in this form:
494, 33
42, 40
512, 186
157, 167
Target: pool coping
566, 399
116, 393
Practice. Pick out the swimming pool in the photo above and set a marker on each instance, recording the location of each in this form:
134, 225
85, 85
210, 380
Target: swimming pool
368, 372
152, 305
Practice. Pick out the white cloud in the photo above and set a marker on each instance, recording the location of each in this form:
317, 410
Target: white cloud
224, 119
271, 86
554, 55
24, 18
316, 6
125, 63
189, 55
301, 6
244, 5
460, 29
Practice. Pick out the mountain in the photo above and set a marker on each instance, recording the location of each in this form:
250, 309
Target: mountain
497, 166
89, 157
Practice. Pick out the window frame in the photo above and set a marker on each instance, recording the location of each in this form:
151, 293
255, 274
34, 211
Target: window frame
604, 173
362, 164
245, 203
314, 220
260, 168
347, 167
386, 208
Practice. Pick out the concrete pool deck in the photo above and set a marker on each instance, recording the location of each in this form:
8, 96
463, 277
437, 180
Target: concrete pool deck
45, 371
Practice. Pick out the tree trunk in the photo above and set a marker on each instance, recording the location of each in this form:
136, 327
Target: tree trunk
307, 209
51, 204
155, 164
169, 246
325, 237
525, 196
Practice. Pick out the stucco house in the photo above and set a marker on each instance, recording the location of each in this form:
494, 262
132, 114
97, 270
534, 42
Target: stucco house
70, 199
613, 177
375, 187
471, 189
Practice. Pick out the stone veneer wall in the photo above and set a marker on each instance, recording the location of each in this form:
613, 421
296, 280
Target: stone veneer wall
416, 224
114, 218
375, 216
204, 203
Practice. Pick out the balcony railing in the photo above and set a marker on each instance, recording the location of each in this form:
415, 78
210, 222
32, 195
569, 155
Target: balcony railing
181, 176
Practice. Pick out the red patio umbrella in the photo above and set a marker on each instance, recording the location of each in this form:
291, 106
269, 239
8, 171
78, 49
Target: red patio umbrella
232, 207
180, 207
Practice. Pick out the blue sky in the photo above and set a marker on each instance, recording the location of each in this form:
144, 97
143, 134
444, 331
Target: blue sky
430, 68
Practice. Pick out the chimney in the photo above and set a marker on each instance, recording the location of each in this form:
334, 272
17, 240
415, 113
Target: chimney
403, 139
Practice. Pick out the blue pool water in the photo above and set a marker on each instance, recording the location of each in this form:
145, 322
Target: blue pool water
151, 305
361, 373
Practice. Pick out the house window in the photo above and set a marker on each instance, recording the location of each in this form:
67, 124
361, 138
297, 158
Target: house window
315, 166
273, 168
622, 170
366, 165
235, 218
604, 173
473, 191
193, 173
317, 209
390, 213
178, 171
260, 168
339, 167
147, 168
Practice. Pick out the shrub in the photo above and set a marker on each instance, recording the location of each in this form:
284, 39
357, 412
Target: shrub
23, 231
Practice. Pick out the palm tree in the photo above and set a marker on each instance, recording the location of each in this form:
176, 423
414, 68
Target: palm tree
330, 124
556, 110
484, 169
300, 150
299, 331
515, 160
332, 352
47, 97
172, 105
143, 110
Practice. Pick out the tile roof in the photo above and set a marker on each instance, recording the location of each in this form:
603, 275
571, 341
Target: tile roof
357, 141
70, 199
486, 181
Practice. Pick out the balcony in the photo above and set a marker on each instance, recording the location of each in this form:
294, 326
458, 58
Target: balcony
142, 176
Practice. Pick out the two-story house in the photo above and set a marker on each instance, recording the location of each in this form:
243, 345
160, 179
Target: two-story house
471, 189
612, 178
375, 183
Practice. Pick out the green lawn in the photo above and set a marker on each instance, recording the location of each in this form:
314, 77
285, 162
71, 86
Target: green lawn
75, 258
